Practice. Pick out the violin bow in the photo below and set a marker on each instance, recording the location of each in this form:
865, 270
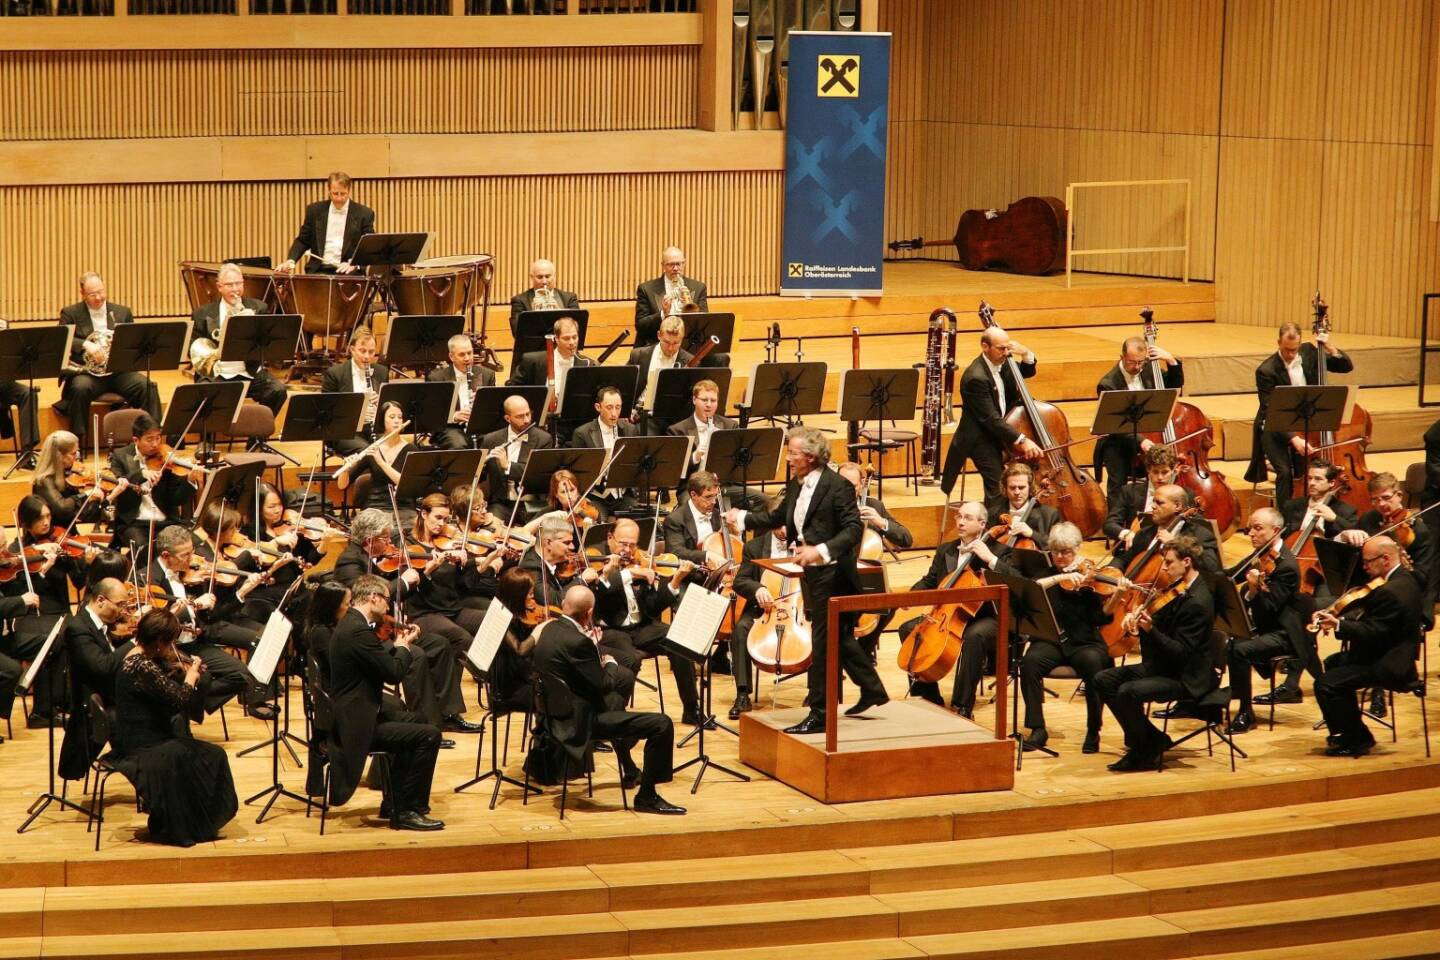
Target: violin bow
1406, 519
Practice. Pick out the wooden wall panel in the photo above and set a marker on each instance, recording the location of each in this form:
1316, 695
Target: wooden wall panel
605, 233
147, 94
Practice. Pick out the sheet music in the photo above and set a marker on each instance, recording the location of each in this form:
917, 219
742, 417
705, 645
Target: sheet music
697, 621
487, 639
39, 661
270, 647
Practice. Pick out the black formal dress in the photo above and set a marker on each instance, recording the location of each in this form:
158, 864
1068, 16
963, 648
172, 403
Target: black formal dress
1080, 615
1275, 627
65, 502
359, 220
185, 783
362, 721
30, 627
1116, 453
81, 389
983, 436
378, 493
650, 307
264, 388
1275, 446
455, 436
226, 676
340, 378
94, 660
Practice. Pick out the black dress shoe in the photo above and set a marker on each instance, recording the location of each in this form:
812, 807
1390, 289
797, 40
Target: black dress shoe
1281, 695
458, 724
262, 711
1036, 740
1377, 704
741, 705
654, 803
1180, 711
967, 712
447, 744
40, 721
865, 703
630, 778
1092, 742
814, 723
414, 820
1241, 722
690, 717
1126, 763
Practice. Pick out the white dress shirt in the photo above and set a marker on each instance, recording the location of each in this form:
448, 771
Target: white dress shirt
632, 606
703, 526
100, 319
562, 369
802, 511
702, 437
1133, 383
1296, 369
672, 290
462, 388
658, 362
335, 234
999, 385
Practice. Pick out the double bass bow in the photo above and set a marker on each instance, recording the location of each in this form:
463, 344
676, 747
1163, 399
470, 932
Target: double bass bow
1344, 447
1073, 491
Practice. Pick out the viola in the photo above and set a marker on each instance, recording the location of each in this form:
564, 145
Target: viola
537, 613
164, 458
1143, 571
571, 565
1344, 447
1347, 599
1102, 581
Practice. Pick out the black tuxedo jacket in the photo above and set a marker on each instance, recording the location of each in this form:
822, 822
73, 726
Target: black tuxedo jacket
947, 556
360, 666
522, 302
1127, 504
171, 494
1383, 629
833, 519
1271, 374
1421, 551
340, 378
1177, 644
77, 315
588, 433
687, 428
565, 653
640, 357
611, 608
649, 307
93, 664
896, 534
536, 439
1173, 379
681, 537
1199, 528
479, 376
1294, 514
206, 321
530, 371
1273, 609
1042, 517
982, 420
359, 220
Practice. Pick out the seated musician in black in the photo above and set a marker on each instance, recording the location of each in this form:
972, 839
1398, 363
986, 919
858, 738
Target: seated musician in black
686, 528
894, 534
1080, 614
1129, 510
1168, 504
1380, 634
201, 610
533, 368
94, 319
361, 721
758, 601
12, 651
359, 374
1387, 500
1116, 453
384, 462
511, 681
632, 601
94, 650
1175, 659
468, 377
511, 446
60, 454
1017, 483
152, 497
567, 651
1270, 599
969, 548
603, 431
209, 320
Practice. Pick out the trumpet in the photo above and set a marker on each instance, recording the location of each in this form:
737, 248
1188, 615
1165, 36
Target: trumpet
682, 302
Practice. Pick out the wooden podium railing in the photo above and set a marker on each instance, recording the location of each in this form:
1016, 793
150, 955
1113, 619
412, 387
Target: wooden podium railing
870, 602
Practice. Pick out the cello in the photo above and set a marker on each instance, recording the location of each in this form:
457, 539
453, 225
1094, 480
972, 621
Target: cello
930, 651
1302, 543
1344, 447
1189, 434
780, 640
1072, 490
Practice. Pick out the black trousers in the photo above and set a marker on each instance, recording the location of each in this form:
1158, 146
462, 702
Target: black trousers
1307, 605
228, 676
739, 653
1335, 695
629, 726
453, 437
852, 658
1256, 651
22, 644
1126, 690
1116, 455
1042, 656
646, 639
413, 747
20, 396
989, 463
1285, 462
456, 631
82, 389
976, 647
264, 390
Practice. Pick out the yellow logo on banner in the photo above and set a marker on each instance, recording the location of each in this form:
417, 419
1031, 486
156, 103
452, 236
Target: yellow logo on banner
838, 76
797, 269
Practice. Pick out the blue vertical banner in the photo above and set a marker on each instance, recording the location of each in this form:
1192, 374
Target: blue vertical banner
836, 121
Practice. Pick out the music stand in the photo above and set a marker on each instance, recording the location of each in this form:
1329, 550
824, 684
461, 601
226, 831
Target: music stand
1230, 615
1303, 410
645, 463
217, 403
419, 342
327, 417
382, 253
32, 675
1340, 562
1031, 563
33, 353
673, 388
258, 340
700, 327
584, 462
487, 410
734, 454
1133, 412
879, 395
784, 391
432, 471
149, 345
232, 482
1032, 617
583, 384
531, 327
426, 405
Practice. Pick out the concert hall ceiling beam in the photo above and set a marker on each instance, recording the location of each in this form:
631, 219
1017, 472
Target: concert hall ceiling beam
208, 159
347, 33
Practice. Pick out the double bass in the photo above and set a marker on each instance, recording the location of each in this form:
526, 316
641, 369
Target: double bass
1344, 447
1071, 489
1189, 434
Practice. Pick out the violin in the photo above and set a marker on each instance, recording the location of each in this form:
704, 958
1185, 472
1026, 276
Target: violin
419, 556
571, 565
74, 545
242, 544
536, 613
1347, 599
84, 481
201, 570
313, 529
164, 458
1143, 571
1156, 599
1102, 581
10, 563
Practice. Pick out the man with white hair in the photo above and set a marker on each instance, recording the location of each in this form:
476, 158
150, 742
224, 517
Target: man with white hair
468, 377
94, 319
667, 295
210, 319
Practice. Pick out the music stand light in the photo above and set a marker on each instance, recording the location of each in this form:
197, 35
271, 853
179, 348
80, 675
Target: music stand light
418, 342
31, 353
879, 395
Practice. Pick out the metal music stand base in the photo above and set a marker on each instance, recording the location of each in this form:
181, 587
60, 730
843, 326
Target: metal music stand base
495, 771
707, 721
279, 736
49, 796
28, 458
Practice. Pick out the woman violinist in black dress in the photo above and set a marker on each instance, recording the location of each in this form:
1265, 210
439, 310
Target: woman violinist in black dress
185, 783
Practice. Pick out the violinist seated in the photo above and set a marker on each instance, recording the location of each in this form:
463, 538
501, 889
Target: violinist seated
1116, 453
1379, 627
362, 721
749, 586
1130, 508
988, 391
1272, 584
468, 506
694, 521
63, 484
179, 581
568, 650
511, 680
1174, 629
564, 502
16, 646
1333, 516
533, 370
1292, 364
359, 374
431, 685
603, 431
1169, 504
970, 549
1028, 519
384, 461
1080, 612
894, 534
1387, 499
217, 537
468, 377
509, 454
632, 599
283, 539
151, 494
94, 646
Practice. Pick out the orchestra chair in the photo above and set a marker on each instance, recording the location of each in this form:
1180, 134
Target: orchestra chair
496, 709
117, 426
894, 439
1278, 664
1414, 484
254, 423
319, 714
1415, 686
106, 765
555, 701
1213, 710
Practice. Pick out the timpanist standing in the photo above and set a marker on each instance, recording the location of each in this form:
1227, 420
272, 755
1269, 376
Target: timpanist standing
330, 231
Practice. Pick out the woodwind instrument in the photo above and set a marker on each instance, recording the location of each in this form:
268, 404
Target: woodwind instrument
704, 350
937, 386
554, 404
353, 459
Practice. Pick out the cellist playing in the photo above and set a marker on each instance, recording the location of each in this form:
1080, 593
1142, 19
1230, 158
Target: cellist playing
1135, 498
1018, 484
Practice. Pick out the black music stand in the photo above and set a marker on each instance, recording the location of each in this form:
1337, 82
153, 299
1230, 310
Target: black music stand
436, 471
33, 353
259, 340
1133, 412
1340, 562
1030, 616
784, 391
232, 482
672, 393
700, 327
381, 254
148, 346
733, 455
879, 395
426, 405
49, 796
532, 327
327, 417
645, 463
1031, 563
1230, 615
1303, 410
487, 410
213, 406
584, 462
421, 343
583, 385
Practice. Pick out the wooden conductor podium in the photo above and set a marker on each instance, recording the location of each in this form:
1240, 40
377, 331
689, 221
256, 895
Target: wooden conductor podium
906, 748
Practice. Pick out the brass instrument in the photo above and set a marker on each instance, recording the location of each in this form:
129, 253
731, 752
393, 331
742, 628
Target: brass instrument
97, 364
682, 302
546, 299
203, 354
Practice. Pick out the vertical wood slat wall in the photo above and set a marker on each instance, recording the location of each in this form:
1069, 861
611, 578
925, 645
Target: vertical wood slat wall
1303, 124
605, 233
